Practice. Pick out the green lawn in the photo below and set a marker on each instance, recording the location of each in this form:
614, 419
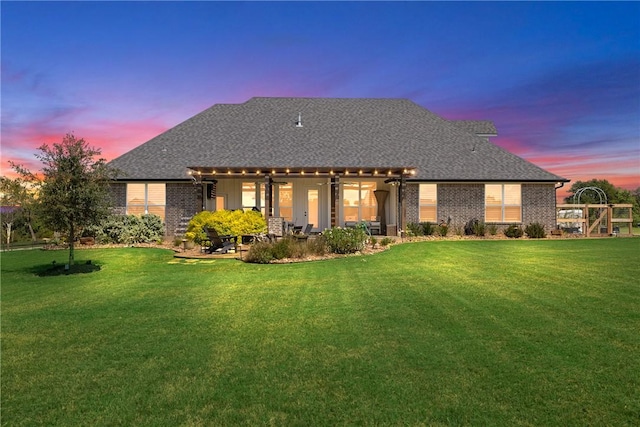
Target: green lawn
493, 333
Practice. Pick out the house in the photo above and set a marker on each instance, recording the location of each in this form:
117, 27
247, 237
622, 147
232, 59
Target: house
330, 162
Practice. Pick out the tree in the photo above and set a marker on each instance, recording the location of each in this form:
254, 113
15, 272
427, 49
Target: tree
614, 194
18, 198
75, 187
636, 207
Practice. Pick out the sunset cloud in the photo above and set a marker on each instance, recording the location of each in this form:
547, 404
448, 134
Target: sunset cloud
559, 79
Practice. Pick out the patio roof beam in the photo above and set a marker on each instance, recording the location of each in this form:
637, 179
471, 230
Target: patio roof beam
380, 172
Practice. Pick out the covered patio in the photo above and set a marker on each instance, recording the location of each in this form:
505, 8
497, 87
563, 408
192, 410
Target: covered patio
322, 196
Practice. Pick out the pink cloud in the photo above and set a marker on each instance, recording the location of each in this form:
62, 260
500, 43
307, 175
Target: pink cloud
112, 137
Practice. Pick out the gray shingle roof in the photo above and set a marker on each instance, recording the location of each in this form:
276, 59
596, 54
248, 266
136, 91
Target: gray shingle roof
477, 127
335, 132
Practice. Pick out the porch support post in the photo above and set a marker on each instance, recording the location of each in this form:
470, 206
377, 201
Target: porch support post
268, 197
402, 209
335, 201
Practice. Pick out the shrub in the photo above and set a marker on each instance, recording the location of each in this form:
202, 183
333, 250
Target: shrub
373, 241
128, 229
427, 228
474, 227
288, 247
535, 231
235, 223
479, 229
443, 228
345, 240
386, 241
469, 228
284, 248
260, 253
414, 229
299, 249
513, 231
317, 245
493, 229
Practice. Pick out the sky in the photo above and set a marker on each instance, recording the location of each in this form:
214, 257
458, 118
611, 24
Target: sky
560, 80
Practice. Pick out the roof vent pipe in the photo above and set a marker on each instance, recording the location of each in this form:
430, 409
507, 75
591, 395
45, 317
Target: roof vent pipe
299, 121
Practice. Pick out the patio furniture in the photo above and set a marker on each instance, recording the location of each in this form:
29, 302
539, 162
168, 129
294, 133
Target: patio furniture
304, 234
219, 244
375, 227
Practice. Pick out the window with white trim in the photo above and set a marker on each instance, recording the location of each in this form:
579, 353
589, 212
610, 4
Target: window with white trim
359, 201
503, 203
146, 198
428, 194
253, 196
285, 201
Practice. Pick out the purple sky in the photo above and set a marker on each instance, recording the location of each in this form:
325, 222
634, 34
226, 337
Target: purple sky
561, 80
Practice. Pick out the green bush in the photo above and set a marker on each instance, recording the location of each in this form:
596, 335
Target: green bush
427, 228
127, 229
386, 241
345, 240
443, 230
287, 247
235, 223
479, 229
535, 231
284, 248
414, 229
317, 245
260, 253
493, 229
513, 231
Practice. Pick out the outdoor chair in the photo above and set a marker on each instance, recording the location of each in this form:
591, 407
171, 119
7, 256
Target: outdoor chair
304, 234
375, 227
219, 244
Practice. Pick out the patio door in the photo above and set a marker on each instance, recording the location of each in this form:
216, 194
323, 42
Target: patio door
312, 213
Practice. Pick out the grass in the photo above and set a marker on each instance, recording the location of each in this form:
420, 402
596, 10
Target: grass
434, 333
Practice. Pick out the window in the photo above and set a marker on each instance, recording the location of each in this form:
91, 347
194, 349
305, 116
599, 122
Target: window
503, 202
252, 198
146, 198
249, 199
359, 202
285, 201
428, 203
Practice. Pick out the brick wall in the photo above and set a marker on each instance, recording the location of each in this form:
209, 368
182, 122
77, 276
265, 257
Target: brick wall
460, 202
412, 202
183, 200
119, 198
539, 205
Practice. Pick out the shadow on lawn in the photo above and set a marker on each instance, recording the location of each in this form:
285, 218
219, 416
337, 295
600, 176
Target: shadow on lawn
56, 269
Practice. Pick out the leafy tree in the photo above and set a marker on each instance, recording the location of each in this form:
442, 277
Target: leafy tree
636, 207
74, 192
614, 194
17, 196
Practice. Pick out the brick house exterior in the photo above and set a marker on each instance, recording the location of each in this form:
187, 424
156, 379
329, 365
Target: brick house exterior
319, 160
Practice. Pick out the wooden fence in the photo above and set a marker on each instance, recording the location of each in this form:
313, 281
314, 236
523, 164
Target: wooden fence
595, 220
